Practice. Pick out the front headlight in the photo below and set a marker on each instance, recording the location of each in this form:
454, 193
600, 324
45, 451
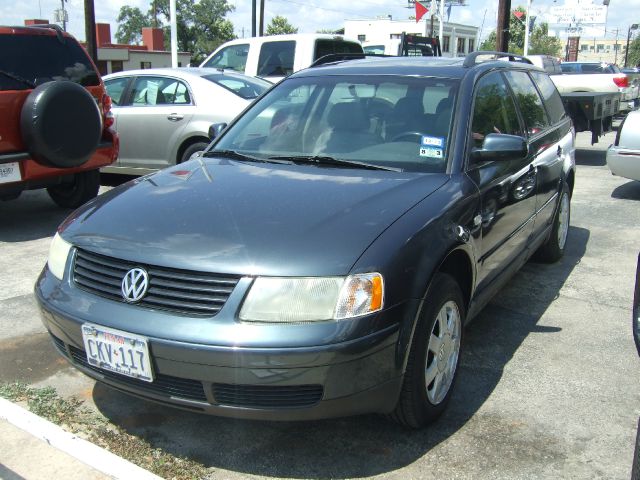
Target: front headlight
296, 300
58, 253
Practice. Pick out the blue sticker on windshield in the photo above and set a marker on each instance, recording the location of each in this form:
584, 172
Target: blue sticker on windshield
432, 147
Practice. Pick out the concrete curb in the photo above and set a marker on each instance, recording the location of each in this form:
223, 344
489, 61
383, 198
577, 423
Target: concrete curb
86, 452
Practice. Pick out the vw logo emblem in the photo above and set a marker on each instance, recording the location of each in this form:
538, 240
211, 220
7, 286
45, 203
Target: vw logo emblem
135, 284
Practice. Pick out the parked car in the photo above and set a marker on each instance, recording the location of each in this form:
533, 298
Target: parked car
324, 254
163, 114
623, 157
597, 77
275, 56
55, 118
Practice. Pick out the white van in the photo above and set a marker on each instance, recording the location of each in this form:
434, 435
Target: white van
276, 56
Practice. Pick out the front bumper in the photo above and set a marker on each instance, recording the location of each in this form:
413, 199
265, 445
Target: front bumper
329, 379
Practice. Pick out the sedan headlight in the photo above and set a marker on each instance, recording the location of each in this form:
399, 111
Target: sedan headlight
295, 300
58, 253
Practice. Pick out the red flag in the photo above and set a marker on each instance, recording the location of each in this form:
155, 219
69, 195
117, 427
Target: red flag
420, 11
518, 14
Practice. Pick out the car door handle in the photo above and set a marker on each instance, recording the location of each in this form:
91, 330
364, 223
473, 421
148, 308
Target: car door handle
174, 117
559, 151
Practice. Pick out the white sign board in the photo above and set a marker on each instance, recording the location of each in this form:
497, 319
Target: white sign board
578, 14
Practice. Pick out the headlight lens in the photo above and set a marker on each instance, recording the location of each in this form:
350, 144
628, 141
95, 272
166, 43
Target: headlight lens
298, 300
58, 253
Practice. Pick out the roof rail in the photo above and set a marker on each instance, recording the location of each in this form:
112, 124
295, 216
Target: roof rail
337, 57
470, 60
53, 26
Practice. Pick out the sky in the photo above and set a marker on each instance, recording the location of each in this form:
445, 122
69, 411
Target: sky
312, 15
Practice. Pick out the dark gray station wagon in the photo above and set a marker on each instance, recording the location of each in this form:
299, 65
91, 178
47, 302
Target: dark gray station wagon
324, 254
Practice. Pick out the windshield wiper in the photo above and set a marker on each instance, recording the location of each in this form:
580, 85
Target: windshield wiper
17, 78
235, 155
337, 162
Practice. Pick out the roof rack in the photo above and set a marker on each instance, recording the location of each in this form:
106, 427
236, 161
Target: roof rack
470, 60
338, 57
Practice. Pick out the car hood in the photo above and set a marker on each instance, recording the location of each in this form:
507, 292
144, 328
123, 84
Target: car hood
226, 216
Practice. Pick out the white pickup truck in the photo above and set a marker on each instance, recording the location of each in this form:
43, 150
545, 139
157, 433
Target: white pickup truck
276, 56
597, 77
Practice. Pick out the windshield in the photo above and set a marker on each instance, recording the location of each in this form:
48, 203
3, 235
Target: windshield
388, 121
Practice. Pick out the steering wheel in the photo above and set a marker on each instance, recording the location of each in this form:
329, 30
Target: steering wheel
407, 134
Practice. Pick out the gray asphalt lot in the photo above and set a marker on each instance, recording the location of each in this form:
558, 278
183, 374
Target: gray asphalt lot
548, 386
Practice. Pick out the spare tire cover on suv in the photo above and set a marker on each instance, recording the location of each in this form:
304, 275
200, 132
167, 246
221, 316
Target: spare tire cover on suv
60, 124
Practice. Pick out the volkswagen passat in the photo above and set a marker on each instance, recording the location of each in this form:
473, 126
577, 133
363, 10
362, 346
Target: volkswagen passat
322, 257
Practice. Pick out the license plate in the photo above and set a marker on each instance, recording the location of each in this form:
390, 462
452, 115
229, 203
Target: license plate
117, 351
10, 172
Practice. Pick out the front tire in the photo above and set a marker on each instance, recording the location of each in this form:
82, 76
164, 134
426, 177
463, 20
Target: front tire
553, 249
84, 187
434, 355
196, 147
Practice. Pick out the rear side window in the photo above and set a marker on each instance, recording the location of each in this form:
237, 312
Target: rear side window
551, 97
327, 47
529, 100
276, 59
246, 88
48, 59
569, 68
233, 57
597, 68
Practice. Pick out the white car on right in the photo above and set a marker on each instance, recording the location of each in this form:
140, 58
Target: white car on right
623, 157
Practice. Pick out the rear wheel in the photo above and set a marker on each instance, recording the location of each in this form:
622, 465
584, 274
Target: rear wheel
81, 189
553, 249
434, 355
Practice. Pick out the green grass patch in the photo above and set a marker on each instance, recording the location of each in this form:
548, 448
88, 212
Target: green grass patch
72, 415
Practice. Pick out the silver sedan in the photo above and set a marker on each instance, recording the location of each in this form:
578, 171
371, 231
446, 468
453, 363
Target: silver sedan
163, 115
623, 157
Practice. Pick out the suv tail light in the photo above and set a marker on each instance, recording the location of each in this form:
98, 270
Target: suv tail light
621, 81
106, 111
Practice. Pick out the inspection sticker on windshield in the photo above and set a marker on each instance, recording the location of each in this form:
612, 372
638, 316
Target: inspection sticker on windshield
432, 147
10, 172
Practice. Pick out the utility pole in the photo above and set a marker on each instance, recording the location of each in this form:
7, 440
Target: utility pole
261, 29
502, 30
90, 30
253, 18
615, 49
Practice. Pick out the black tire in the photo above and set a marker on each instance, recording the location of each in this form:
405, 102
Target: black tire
196, 147
415, 407
553, 249
60, 124
84, 187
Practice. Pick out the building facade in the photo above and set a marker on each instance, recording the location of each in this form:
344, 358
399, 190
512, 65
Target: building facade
602, 50
457, 39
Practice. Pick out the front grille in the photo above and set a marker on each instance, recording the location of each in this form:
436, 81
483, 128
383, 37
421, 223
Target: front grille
163, 385
181, 291
256, 396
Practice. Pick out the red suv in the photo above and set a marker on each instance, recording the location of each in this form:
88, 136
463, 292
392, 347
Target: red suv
55, 119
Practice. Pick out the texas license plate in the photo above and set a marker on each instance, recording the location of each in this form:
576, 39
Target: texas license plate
10, 172
117, 351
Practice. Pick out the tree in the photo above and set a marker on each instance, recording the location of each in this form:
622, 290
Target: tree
130, 20
539, 41
633, 57
201, 25
280, 25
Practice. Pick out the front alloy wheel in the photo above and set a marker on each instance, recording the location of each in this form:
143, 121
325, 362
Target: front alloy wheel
443, 352
433, 356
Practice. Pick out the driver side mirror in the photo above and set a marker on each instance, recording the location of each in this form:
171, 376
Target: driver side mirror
500, 146
216, 129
